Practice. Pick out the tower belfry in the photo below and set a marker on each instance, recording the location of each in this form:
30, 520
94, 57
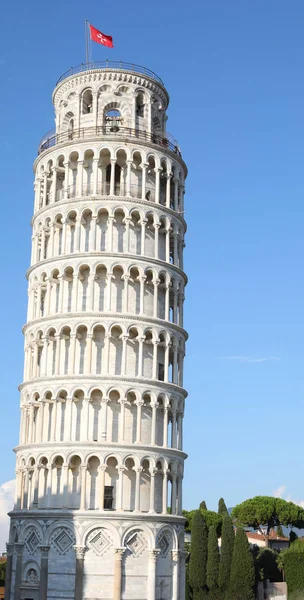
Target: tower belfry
98, 510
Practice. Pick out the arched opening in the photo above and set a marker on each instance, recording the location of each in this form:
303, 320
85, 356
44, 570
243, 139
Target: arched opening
111, 484
129, 485
98, 350
113, 416
87, 102
93, 466
74, 483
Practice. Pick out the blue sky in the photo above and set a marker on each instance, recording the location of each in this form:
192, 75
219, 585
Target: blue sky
235, 74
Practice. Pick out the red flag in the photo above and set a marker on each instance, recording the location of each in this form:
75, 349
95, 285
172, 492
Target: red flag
101, 38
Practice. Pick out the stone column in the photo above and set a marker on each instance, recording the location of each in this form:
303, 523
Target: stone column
156, 239
8, 577
157, 182
44, 572
19, 547
118, 555
19, 476
166, 366
151, 591
144, 178
167, 302
180, 495
124, 353
166, 409
88, 357
112, 178
155, 352
173, 440
127, 234
104, 419
173, 496
182, 574
80, 552
95, 175
65, 474
142, 280
137, 490
129, 163
140, 355
102, 470
119, 500
168, 244
155, 298
83, 487
165, 492
143, 236
175, 574
152, 490
168, 190
139, 404
122, 402
154, 406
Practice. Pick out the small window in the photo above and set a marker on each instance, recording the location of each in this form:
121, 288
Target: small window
161, 372
87, 102
140, 105
108, 497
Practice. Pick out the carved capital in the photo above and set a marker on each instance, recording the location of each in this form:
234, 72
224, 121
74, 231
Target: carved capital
175, 555
44, 551
9, 549
118, 553
80, 552
153, 555
19, 547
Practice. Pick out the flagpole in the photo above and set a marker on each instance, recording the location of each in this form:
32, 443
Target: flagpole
86, 22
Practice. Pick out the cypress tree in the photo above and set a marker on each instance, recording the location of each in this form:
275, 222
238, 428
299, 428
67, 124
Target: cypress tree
198, 556
222, 508
227, 544
203, 505
280, 532
213, 563
242, 576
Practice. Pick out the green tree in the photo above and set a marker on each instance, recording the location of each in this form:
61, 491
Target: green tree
222, 508
280, 562
293, 560
267, 564
211, 518
2, 572
188, 592
242, 576
203, 505
280, 532
227, 544
198, 557
292, 537
213, 562
268, 512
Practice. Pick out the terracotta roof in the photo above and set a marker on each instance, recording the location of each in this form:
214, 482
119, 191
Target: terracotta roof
260, 536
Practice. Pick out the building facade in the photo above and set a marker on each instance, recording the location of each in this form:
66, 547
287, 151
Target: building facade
100, 457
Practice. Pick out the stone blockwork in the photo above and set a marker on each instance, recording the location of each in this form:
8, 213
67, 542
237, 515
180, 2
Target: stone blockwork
98, 510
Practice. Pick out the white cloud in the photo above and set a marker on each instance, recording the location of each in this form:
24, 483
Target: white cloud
280, 492
7, 496
250, 359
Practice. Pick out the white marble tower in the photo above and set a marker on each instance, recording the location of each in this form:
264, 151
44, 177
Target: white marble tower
100, 457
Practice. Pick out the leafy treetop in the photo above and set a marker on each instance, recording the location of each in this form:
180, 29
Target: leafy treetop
268, 512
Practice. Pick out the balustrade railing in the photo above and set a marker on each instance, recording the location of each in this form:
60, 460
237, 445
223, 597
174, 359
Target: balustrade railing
104, 189
108, 130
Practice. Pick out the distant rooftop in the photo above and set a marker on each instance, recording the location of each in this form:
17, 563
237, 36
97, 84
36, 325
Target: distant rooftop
110, 65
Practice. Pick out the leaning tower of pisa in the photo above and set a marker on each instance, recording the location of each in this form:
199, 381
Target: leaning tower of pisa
99, 469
